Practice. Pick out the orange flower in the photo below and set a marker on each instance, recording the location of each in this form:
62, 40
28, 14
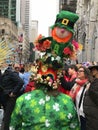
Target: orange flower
46, 44
42, 45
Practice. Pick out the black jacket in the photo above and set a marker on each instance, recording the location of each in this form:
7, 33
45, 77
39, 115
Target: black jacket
67, 85
11, 82
91, 106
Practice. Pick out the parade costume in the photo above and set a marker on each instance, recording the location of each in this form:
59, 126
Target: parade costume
45, 107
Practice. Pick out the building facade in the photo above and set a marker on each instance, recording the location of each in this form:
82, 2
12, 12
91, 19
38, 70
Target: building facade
8, 41
25, 15
33, 30
14, 10
8, 9
68, 5
87, 29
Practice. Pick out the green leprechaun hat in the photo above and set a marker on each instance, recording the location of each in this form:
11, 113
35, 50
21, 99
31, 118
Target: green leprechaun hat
66, 19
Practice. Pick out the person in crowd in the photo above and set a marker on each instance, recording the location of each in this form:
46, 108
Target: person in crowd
16, 68
67, 84
26, 76
77, 92
21, 75
20, 72
65, 77
11, 84
91, 101
2, 100
48, 109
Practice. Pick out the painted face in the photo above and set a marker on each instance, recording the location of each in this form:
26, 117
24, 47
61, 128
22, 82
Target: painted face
61, 34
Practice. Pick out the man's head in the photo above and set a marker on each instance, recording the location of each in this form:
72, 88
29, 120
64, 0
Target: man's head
94, 70
17, 67
72, 69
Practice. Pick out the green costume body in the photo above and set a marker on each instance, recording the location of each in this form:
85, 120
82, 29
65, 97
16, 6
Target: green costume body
38, 111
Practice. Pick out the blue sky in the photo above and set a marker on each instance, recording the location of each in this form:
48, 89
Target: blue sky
45, 12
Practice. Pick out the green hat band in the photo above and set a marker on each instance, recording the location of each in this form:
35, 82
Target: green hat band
65, 22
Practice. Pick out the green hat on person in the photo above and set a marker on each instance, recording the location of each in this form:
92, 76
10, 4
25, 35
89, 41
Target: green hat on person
66, 19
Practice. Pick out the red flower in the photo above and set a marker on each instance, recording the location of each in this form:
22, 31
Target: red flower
67, 51
38, 47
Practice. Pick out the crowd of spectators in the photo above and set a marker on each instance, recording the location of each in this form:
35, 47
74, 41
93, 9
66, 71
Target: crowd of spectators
25, 105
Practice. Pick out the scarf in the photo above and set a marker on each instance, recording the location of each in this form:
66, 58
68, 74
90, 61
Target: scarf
75, 89
73, 76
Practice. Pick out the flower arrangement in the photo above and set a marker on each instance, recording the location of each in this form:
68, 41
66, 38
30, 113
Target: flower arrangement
45, 77
41, 45
54, 49
48, 69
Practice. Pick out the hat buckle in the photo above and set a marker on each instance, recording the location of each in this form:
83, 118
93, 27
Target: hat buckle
65, 21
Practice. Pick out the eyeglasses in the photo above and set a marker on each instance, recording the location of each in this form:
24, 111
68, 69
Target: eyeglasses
80, 71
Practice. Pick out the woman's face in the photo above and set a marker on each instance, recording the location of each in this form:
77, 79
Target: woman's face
81, 74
